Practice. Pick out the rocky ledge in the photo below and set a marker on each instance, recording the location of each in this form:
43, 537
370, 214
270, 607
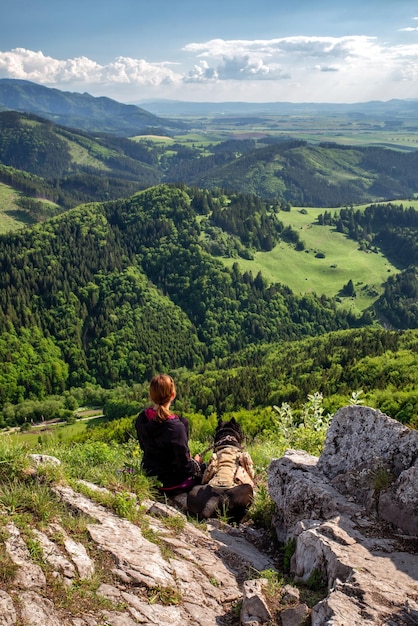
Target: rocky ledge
167, 572
352, 515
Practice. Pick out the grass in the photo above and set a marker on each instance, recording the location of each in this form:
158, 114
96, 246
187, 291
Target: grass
11, 216
304, 272
82, 156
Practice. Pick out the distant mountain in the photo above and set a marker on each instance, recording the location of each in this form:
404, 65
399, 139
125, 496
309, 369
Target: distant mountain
392, 109
69, 166
80, 110
76, 166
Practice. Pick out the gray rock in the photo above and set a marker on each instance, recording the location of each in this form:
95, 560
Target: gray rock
29, 575
290, 594
359, 434
44, 459
294, 616
7, 610
369, 574
254, 609
38, 611
399, 503
53, 555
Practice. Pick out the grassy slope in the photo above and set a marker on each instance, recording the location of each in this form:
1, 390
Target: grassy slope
12, 217
304, 273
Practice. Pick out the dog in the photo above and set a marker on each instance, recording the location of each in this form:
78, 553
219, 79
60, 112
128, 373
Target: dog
228, 481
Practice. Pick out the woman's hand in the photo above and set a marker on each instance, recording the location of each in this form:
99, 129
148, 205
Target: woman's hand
198, 458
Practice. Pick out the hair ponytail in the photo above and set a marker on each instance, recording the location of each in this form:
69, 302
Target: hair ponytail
161, 391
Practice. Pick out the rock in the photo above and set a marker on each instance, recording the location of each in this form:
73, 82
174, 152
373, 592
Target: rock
29, 575
254, 608
79, 556
337, 508
44, 459
295, 616
290, 595
399, 503
38, 611
7, 610
54, 556
359, 434
235, 544
301, 492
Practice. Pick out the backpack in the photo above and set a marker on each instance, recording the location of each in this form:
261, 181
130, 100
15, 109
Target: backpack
229, 467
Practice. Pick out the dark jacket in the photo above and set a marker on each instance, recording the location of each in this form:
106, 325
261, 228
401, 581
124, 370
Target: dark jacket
166, 449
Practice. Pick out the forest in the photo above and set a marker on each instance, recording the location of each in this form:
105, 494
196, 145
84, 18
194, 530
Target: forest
106, 294
69, 166
122, 272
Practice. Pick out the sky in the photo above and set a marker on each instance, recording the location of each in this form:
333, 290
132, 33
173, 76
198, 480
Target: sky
215, 50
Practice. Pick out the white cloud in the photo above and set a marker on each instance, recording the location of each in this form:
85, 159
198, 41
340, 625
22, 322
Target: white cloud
299, 68
35, 66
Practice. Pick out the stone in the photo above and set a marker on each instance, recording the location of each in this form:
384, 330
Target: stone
29, 575
78, 553
359, 434
290, 595
294, 616
38, 611
7, 610
337, 513
254, 609
53, 555
399, 503
44, 459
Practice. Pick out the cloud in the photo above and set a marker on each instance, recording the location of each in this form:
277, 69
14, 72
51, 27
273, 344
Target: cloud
299, 68
35, 66
276, 59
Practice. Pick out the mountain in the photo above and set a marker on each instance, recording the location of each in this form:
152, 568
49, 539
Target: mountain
114, 292
310, 175
69, 166
81, 110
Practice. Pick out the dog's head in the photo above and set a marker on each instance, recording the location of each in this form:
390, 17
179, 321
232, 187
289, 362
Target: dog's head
228, 434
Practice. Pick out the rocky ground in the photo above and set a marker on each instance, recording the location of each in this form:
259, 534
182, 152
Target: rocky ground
168, 572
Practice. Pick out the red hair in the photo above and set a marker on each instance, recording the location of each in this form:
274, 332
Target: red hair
161, 391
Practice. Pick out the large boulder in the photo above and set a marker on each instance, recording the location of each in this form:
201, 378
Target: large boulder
354, 515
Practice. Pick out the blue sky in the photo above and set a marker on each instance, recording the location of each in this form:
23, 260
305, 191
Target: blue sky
217, 50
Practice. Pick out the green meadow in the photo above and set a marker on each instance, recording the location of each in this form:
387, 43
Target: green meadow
305, 272
11, 215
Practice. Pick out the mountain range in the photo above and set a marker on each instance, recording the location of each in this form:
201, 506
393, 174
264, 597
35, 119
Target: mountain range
81, 110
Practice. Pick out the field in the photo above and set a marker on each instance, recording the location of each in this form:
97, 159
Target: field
53, 432
305, 272
11, 216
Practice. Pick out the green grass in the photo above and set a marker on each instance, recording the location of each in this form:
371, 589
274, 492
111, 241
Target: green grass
11, 215
51, 434
82, 156
303, 272
153, 138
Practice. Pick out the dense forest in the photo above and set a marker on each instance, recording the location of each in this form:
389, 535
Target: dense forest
392, 229
70, 166
122, 274
119, 290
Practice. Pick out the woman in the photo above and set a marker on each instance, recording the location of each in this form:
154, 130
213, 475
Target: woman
164, 439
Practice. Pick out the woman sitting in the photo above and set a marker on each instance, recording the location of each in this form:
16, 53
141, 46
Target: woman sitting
164, 439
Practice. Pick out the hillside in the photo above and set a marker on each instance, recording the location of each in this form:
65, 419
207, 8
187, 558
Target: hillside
43, 160
322, 175
110, 293
80, 110
106, 284
69, 166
